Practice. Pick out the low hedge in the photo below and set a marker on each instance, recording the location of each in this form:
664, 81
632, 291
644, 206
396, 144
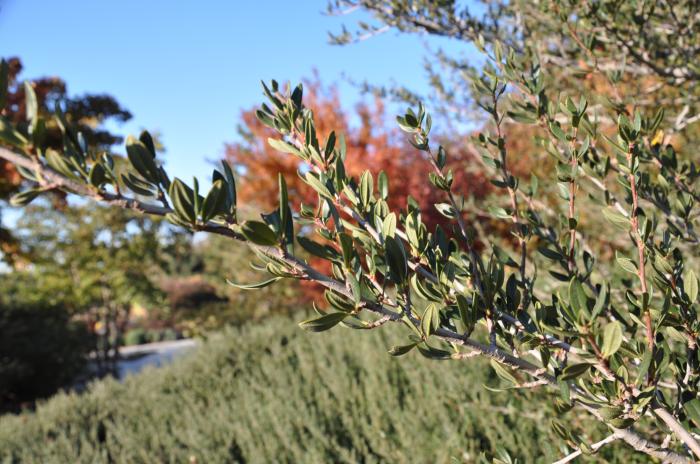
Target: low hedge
273, 393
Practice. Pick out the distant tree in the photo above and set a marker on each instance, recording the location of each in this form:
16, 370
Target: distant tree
101, 263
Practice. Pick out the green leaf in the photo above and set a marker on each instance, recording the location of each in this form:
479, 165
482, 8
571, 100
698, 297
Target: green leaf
317, 185
255, 286
574, 370
147, 140
644, 367
616, 219
690, 285
284, 147
446, 210
503, 373
97, 175
401, 349
230, 185
692, 409
259, 233
316, 249
577, 297
347, 248
389, 225
396, 258
24, 198
610, 412
325, 322
141, 159
431, 320
183, 200
557, 131
32, 105
600, 301
434, 353
612, 339
626, 264
286, 220
214, 203
383, 185
354, 288
366, 188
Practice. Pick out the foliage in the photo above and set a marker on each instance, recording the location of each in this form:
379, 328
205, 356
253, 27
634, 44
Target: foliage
90, 112
610, 332
41, 350
270, 393
101, 263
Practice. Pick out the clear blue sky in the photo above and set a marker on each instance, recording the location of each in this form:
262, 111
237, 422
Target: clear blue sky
188, 68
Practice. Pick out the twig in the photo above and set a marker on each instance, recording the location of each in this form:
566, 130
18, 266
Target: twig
595, 447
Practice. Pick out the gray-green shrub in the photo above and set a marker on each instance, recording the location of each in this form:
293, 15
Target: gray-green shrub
272, 393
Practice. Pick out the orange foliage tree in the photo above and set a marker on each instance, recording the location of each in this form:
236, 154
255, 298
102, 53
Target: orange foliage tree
371, 144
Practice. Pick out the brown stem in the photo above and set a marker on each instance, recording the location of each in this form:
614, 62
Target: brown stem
641, 273
572, 205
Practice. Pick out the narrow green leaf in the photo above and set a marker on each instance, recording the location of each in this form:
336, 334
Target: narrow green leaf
284, 147
431, 319
401, 349
396, 258
254, 286
383, 185
626, 264
259, 233
692, 409
325, 322
574, 370
24, 198
690, 285
389, 225
32, 105
366, 188
354, 288
214, 203
612, 339
577, 297
142, 159
616, 219
317, 185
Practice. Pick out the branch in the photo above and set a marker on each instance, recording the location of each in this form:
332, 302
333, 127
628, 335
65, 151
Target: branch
303, 269
594, 447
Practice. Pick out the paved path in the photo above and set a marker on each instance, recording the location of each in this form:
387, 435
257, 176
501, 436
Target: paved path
136, 357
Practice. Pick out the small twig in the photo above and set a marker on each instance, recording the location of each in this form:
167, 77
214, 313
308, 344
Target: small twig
595, 447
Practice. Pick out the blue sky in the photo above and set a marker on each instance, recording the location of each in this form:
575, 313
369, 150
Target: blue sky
188, 68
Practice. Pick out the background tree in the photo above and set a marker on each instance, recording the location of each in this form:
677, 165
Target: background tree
100, 264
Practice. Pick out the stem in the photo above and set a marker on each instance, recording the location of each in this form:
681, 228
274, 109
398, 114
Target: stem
594, 447
572, 205
634, 219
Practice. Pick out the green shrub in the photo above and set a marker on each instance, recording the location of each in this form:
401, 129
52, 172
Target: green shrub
137, 336
41, 350
273, 393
